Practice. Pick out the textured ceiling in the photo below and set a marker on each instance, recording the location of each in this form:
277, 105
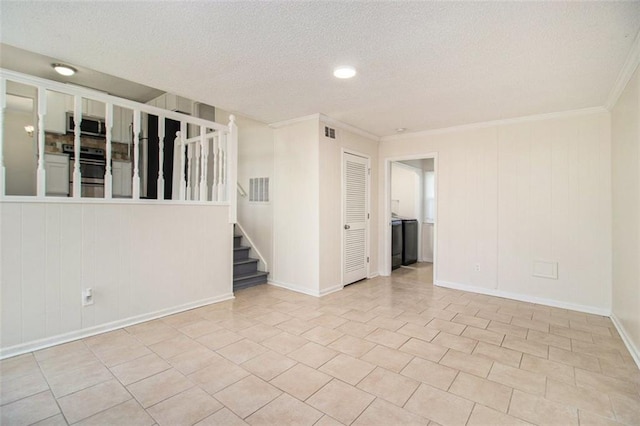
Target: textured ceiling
421, 65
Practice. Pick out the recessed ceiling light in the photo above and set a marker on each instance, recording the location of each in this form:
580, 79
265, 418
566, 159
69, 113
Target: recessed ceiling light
400, 129
344, 72
63, 69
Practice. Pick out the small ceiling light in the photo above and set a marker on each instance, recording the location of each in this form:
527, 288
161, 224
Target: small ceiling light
344, 72
400, 129
63, 69
29, 129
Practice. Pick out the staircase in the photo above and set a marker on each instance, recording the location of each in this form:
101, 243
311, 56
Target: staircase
245, 269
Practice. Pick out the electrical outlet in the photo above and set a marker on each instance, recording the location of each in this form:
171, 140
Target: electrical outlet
87, 297
477, 267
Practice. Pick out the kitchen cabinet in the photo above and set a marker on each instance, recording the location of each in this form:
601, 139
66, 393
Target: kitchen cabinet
90, 108
122, 121
121, 179
56, 168
55, 118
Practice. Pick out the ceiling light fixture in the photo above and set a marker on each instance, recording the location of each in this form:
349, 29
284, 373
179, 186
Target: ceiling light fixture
63, 69
400, 129
344, 72
29, 129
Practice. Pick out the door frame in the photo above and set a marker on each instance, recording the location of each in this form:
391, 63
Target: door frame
367, 231
385, 269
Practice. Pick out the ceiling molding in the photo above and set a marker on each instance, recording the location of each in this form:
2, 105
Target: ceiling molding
285, 123
625, 74
348, 127
485, 124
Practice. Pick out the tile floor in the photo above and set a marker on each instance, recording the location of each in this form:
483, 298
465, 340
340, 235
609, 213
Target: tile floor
386, 351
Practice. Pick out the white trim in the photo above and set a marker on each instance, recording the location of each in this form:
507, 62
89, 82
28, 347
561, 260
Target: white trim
330, 290
147, 201
348, 127
92, 331
293, 287
374, 275
524, 298
625, 74
284, 123
631, 347
253, 246
484, 124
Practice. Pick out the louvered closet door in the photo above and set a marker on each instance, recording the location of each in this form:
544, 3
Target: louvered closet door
355, 192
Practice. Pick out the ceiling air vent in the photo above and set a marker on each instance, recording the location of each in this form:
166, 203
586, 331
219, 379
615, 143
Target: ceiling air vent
329, 132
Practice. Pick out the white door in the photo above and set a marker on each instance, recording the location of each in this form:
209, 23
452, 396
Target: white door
355, 217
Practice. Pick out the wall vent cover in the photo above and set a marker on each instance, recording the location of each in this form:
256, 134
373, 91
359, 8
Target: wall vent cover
259, 190
329, 132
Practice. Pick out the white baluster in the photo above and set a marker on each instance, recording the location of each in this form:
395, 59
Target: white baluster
160, 158
214, 183
77, 119
190, 148
232, 169
3, 104
182, 134
40, 174
204, 146
196, 177
222, 154
108, 178
135, 191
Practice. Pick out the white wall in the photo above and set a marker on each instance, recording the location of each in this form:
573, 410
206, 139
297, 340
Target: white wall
331, 226
406, 190
296, 209
255, 159
141, 261
625, 135
514, 193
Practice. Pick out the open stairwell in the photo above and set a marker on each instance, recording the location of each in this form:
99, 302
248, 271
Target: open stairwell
245, 269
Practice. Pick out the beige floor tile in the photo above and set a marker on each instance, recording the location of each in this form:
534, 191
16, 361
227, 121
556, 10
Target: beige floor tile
627, 410
552, 369
128, 413
597, 349
484, 416
219, 339
57, 420
526, 346
327, 421
237, 323
15, 367
419, 332
74, 380
224, 417
268, 365
507, 329
571, 333
199, 328
439, 406
585, 399
424, 349
430, 373
322, 335
446, 326
284, 342
90, 401
285, 410
242, 351
185, 408
527, 381
413, 318
218, 375
357, 315
159, 332
294, 326
387, 323
549, 339
471, 320
22, 386
355, 328
352, 346
194, 360
313, 354
498, 353
589, 328
301, 381
538, 410
328, 321
183, 319
389, 386
459, 343
472, 364
605, 384
29, 410
591, 419
584, 361
531, 324
387, 338
69, 361
494, 316
391, 359
140, 368
248, 395
341, 401
485, 392
157, 388
119, 355
175, 346
383, 413
347, 368
78, 346
482, 335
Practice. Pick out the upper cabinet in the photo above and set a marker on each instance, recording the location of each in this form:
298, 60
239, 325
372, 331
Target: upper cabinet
55, 119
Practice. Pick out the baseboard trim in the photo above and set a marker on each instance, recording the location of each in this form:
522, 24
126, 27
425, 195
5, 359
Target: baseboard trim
375, 274
330, 290
525, 298
103, 328
293, 287
631, 347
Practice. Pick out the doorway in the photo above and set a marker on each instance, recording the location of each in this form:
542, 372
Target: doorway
410, 208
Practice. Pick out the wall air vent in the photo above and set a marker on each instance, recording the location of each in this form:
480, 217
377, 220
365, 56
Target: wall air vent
259, 190
329, 132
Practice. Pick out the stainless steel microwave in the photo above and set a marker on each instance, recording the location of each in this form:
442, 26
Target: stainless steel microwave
89, 126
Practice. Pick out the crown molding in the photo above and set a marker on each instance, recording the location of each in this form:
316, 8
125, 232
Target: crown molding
279, 124
492, 123
348, 127
625, 74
